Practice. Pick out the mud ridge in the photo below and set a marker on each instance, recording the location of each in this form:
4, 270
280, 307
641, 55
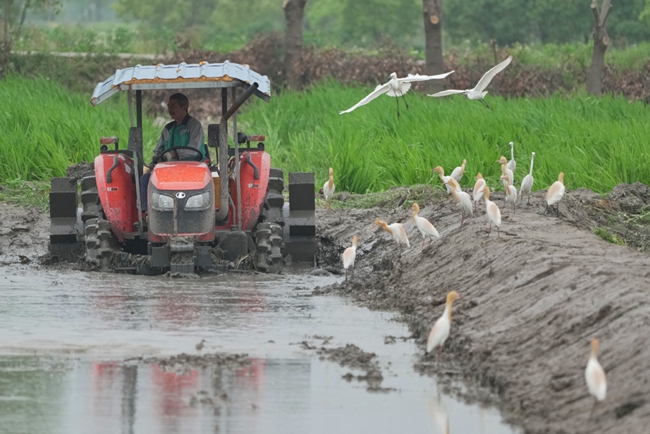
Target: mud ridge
533, 299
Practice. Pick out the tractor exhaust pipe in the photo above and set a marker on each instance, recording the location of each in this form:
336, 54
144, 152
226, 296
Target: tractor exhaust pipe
222, 214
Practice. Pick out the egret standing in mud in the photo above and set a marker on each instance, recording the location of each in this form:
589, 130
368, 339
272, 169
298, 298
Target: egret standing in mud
440, 330
426, 228
555, 193
479, 188
349, 254
458, 172
527, 183
396, 231
478, 92
328, 188
395, 87
505, 171
445, 179
595, 377
493, 213
512, 164
511, 193
463, 199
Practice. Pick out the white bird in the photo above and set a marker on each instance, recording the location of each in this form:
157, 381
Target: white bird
424, 225
463, 199
555, 193
396, 231
479, 188
505, 171
443, 178
458, 172
440, 330
395, 87
493, 213
349, 254
478, 92
511, 193
512, 164
595, 376
328, 188
527, 183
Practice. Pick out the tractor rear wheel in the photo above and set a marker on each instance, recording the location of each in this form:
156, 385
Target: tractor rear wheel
91, 206
268, 232
100, 243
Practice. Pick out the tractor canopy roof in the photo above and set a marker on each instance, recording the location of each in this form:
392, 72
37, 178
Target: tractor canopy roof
200, 75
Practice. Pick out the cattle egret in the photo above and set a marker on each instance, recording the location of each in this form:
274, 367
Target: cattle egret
512, 164
493, 213
395, 87
199, 346
396, 231
328, 188
349, 254
457, 173
595, 377
443, 178
511, 194
479, 91
527, 183
440, 330
463, 199
505, 171
424, 225
479, 187
555, 193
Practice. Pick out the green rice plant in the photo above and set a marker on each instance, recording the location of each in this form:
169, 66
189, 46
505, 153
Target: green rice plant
45, 128
609, 236
597, 143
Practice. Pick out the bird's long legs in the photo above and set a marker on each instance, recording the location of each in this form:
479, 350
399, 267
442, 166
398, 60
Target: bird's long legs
484, 103
405, 102
593, 408
397, 101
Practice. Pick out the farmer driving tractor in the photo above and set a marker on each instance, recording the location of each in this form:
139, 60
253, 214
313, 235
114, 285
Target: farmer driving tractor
181, 139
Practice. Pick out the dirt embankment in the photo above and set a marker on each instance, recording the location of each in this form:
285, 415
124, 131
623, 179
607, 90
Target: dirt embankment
533, 299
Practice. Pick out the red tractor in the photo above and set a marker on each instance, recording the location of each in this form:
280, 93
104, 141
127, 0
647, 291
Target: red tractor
202, 215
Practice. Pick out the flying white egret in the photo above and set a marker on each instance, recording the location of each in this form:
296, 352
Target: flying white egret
395, 87
527, 183
478, 92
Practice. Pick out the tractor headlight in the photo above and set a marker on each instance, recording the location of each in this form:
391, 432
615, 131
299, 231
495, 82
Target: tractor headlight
161, 202
198, 202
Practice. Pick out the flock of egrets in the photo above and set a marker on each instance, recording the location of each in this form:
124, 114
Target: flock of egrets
396, 87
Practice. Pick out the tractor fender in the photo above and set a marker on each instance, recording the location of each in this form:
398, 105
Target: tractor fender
118, 197
253, 188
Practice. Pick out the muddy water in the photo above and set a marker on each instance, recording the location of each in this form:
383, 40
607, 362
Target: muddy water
89, 352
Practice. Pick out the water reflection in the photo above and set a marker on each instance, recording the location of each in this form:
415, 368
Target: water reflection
70, 360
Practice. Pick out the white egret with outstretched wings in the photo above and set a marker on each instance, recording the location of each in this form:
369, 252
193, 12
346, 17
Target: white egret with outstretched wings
478, 92
395, 87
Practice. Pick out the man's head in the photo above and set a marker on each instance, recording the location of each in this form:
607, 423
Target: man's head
177, 107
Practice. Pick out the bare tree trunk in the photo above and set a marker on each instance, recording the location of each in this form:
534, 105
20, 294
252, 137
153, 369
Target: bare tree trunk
293, 13
601, 42
432, 10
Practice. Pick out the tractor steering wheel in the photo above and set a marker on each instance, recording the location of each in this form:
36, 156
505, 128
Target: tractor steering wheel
197, 157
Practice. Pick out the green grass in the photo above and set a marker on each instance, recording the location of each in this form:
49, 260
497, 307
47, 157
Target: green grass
608, 236
45, 128
597, 143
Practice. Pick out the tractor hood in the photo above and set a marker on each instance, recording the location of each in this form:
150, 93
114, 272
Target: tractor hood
200, 75
181, 175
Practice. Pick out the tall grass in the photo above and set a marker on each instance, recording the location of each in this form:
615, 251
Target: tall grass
597, 143
45, 128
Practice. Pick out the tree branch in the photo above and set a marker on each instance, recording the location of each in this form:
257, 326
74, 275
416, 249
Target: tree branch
594, 10
604, 12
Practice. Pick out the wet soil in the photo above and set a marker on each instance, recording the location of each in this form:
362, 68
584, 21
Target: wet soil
533, 298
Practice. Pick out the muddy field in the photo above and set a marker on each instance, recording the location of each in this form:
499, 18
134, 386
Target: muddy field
533, 298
